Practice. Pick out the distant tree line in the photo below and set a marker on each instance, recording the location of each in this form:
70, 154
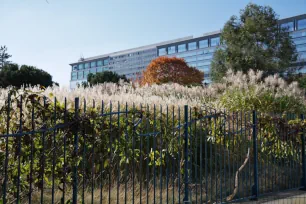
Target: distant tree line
12, 74
103, 77
106, 76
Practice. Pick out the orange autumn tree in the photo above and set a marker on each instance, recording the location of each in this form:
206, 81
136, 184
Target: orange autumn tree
164, 70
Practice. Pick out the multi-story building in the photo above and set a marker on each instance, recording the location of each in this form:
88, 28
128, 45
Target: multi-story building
129, 62
297, 29
197, 52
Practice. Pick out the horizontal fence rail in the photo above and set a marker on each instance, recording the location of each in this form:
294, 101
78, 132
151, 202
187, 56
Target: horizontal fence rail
104, 152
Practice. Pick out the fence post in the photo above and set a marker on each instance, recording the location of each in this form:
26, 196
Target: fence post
303, 181
255, 152
76, 141
186, 190
6, 149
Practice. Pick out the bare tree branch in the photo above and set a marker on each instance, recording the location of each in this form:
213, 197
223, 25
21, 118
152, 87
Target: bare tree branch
230, 197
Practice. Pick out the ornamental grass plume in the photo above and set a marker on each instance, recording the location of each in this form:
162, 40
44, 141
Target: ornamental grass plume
113, 133
251, 92
238, 91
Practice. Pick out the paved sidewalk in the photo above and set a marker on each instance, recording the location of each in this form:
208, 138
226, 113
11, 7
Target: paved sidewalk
288, 197
299, 199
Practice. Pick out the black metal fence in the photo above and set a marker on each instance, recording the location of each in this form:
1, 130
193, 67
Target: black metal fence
62, 152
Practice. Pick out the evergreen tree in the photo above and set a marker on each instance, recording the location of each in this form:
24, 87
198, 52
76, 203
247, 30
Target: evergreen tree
13, 75
106, 76
254, 40
4, 56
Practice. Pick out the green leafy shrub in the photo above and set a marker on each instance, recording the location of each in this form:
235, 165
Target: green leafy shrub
143, 119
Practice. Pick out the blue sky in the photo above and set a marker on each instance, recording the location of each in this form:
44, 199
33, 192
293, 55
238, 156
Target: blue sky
52, 35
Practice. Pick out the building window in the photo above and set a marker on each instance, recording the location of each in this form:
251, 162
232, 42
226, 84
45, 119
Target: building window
93, 64
162, 51
86, 72
74, 76
100, 63
191, 59
203, 43
299, 41
289, 26
204, 69
75, 67
80, 75
171, 50
192, 46
81, 66
93, 70
301, 24
205, 56
298, 34
99, 69
206, 75
302, 55
86, 65
105, 62
203, 63
301, 48
192, 64
187, 54
214, 41
181, 48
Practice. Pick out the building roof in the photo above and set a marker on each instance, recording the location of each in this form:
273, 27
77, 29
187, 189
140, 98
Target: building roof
283, 20
211, 33
137, 49
152, 46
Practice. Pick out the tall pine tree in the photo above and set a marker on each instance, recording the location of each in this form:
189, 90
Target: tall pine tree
4, 56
